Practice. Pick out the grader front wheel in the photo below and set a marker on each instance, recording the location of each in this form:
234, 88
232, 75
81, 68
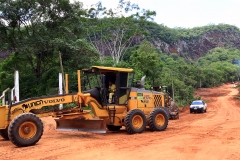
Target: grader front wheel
25, 130
4, 133
135, 121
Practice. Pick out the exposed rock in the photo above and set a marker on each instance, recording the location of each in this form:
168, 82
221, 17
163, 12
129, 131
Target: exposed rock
197, 47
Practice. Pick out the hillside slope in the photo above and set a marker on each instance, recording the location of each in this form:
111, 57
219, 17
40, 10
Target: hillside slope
193, 43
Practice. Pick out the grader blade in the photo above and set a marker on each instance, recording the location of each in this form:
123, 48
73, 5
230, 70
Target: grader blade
96, 126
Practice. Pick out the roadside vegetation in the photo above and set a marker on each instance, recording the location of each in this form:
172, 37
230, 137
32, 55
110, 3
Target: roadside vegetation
37, 31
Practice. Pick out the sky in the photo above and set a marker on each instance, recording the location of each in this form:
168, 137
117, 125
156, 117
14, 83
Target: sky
185, 13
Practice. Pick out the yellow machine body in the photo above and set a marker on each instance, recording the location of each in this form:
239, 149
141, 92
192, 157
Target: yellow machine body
131, 108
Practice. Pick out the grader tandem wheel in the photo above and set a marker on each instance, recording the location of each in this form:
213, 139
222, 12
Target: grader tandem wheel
136, 122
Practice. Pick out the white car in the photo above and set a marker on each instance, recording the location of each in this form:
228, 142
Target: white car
198, 106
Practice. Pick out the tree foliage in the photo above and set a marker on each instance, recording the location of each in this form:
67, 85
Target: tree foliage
146, 61
115, 34
36, 31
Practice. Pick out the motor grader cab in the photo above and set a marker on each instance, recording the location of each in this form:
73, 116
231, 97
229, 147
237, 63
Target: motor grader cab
133, 108
168, 102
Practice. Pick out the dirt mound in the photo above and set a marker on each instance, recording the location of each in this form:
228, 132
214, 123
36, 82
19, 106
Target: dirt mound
49, 124
211, 92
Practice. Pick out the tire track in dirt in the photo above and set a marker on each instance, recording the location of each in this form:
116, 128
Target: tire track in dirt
215, 126
212, 135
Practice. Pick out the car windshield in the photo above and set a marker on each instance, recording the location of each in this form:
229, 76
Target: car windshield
196, 102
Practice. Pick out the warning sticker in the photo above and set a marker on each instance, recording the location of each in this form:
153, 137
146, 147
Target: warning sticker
140, 95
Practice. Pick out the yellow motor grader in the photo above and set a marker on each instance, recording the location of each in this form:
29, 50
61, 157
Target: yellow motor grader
134, 108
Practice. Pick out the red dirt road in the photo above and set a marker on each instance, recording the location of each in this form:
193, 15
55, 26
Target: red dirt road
212, 135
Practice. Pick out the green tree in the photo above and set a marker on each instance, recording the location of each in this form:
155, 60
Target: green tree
36, 30
114, 35
147, 61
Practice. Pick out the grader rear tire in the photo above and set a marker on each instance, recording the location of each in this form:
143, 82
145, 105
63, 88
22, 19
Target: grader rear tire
4, 133
25, 130
135, 121
158, 119
167, 111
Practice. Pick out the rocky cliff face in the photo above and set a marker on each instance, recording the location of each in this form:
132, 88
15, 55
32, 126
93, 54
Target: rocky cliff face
197, 47
192, 47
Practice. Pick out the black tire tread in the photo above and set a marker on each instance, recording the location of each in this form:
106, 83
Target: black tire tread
16, 122
167, 111
151, 118
128, 121
4, 133
175, 117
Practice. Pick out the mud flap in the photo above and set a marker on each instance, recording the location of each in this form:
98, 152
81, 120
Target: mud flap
95, 126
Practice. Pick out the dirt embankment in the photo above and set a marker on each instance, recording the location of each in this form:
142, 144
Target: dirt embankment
212, 135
